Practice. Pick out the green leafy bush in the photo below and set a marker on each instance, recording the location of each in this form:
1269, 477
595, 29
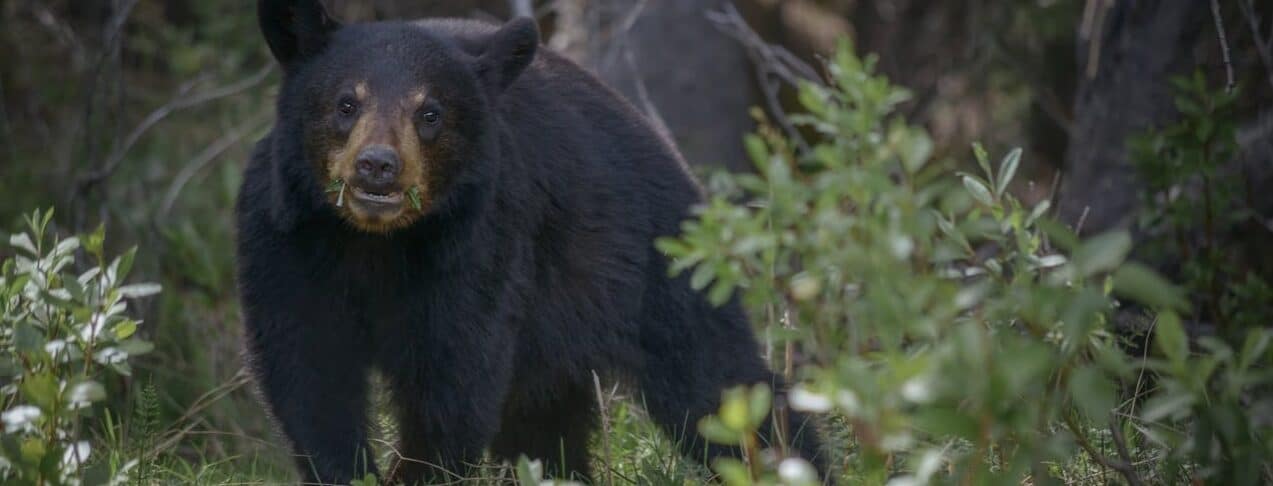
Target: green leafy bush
960, 334
1194, 201
61, 335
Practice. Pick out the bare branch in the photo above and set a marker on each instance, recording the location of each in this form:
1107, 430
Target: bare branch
1120, 443
775, 66
1093, 31
180, 101
206, 156
643, 95
1124, 468
1224, 45
1262, 47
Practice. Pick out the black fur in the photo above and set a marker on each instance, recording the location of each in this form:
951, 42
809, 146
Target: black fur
488, 316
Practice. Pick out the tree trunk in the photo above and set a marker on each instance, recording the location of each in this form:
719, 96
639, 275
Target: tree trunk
1127, 53
673, 64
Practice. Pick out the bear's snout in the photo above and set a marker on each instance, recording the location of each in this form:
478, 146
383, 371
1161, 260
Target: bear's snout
377, 167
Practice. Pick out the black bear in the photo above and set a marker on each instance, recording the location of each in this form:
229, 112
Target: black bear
473, 218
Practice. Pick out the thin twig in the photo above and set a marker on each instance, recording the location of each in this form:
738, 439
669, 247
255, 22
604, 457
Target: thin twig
1120, 443
1094, 28
774, 67
206, 156
1262, 47
643, 96
399, 458
1123, 468
204, 401
603, 409
111, 44
1224, 45
1078, 228
180, 101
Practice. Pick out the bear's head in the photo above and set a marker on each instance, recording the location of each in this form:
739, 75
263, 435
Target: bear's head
391, 116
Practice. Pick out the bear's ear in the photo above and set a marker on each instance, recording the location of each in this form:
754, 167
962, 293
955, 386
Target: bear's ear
294, 29
509, 51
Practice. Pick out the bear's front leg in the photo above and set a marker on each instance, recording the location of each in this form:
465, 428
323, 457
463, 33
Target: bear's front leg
313, 376
449, 391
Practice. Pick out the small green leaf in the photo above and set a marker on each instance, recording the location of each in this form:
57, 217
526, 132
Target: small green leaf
1038, 211
983, 159
916, 153
978, 190
1007, 169
1253, 347
1093, 392
1102, 252
140, 290
125, 264
414, 195
125, 329
41, 390
335, 185
135, 347
733, 410
1171, 339
22, 241
1142, 284
26, 338
529, 473
33, 451
758, 404
86, 392
94, 242
732, 472
1166, 405
757, 150
702, 276
65, 247
713, 429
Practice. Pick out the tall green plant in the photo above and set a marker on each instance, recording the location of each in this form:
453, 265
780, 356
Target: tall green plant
61, 334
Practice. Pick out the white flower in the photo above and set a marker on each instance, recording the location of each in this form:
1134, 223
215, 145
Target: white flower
806, 401
21, 417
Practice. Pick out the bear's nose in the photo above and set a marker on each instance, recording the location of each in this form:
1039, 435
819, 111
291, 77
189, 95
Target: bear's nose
378, 164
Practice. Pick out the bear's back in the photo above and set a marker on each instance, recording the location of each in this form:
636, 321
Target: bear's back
583, 142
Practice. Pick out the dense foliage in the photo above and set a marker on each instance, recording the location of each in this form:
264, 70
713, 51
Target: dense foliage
960, 334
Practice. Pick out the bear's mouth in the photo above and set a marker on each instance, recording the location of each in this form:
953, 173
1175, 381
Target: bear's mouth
385, 198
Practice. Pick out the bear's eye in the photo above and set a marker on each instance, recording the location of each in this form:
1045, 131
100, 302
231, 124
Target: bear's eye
347, 107
431, 117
